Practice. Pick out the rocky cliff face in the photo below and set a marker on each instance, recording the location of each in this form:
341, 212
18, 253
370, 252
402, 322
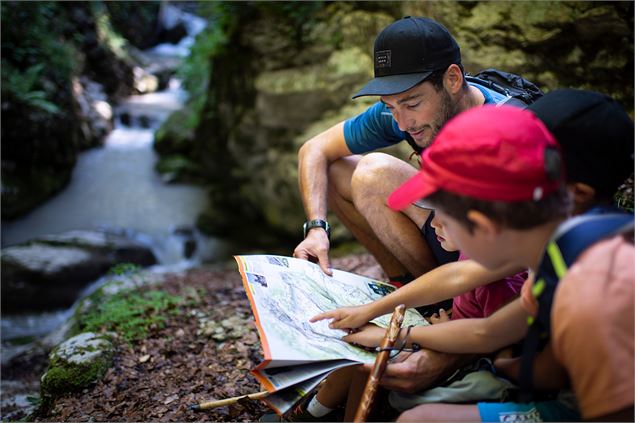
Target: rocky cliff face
286, 72
586, 45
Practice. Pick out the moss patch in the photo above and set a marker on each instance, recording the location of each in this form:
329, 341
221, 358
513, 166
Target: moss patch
131, 314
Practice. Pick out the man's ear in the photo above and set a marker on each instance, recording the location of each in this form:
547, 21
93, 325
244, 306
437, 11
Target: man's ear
453, 79
483, 225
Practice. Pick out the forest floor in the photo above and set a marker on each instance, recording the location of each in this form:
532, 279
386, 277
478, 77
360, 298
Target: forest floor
160, 376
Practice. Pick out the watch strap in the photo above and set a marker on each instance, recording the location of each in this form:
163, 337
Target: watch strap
317, 223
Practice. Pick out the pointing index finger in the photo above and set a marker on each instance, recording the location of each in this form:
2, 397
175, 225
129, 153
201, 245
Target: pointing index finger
322, 316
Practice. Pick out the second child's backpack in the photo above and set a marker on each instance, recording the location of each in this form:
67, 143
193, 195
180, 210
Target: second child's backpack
572, 239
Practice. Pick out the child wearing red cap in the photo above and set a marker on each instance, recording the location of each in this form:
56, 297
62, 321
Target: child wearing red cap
494, 177
479, 302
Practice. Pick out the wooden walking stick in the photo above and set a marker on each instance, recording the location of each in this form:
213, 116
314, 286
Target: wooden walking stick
380, 364
227, 401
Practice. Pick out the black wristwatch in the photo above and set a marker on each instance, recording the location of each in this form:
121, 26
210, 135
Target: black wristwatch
317, 223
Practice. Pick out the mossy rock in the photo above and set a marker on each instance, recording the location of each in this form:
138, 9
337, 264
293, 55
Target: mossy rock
177, 168
77, 363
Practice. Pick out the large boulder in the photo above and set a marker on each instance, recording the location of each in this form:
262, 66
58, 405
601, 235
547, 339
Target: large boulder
49, 272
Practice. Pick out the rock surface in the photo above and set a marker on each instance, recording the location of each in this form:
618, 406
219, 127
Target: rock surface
49, 272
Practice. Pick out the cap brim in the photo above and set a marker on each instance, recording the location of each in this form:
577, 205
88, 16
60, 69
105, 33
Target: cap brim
393, 84
412, 191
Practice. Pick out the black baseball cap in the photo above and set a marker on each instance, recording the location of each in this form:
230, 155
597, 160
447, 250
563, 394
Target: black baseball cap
595, 133
406, 52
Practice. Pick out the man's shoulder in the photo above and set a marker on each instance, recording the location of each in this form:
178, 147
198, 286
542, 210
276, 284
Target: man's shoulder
375, 111
372, 129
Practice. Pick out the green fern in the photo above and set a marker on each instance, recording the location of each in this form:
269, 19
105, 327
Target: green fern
22, 86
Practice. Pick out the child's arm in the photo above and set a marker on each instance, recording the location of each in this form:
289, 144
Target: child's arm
506, 326
548, 373
441, 283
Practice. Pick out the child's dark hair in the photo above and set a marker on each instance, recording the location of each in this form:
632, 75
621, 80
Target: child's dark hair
514, 215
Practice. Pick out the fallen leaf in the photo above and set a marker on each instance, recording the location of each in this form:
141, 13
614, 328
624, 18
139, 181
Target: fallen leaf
170, 399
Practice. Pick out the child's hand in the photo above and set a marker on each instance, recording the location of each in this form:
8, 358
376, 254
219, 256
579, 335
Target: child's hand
345, 317
507, 365
440, 317
368, 336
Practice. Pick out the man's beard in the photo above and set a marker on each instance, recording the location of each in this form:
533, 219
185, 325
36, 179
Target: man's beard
447, 110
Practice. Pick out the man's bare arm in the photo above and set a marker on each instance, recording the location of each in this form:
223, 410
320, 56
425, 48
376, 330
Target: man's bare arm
314, 158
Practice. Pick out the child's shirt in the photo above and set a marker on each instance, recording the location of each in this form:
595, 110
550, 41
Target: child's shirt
485, 300
592, 327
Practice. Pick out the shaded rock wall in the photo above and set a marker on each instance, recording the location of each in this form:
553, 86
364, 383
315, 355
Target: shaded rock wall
285, 72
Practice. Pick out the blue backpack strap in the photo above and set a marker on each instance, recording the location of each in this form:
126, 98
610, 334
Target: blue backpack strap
570, 240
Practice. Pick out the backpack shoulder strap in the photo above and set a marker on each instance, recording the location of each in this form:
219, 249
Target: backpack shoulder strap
578, 233
512, 101
571, 239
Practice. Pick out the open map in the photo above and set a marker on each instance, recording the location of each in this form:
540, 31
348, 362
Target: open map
285, 293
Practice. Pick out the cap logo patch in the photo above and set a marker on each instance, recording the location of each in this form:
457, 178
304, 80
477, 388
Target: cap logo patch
382, 59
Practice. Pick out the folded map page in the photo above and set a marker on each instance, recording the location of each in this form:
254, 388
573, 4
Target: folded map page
284, 294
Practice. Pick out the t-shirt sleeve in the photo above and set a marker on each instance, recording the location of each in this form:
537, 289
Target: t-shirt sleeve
373, 129
592, 323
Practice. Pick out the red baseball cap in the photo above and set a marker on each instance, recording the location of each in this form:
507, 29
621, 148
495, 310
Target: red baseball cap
488, 153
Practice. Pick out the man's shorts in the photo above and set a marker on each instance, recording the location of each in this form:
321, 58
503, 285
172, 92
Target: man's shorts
543, 411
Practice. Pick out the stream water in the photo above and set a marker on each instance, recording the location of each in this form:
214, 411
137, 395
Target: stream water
116, 188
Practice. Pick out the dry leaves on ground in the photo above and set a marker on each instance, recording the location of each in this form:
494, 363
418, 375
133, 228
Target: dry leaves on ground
203, 353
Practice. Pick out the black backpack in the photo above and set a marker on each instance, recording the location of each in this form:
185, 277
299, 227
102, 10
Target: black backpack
573, 238
519, 92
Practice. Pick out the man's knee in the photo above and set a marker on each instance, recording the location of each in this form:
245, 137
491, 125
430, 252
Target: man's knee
377, 175
372, 169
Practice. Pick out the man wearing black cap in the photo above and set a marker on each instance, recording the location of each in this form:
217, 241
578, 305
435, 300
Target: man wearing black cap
420, 81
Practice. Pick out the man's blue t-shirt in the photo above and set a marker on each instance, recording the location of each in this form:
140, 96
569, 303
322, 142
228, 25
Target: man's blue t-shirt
375, 128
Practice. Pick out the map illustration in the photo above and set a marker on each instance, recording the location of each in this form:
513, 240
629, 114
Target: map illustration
285, 293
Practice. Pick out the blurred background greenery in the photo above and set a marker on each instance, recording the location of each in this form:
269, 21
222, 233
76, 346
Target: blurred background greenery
262, 78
